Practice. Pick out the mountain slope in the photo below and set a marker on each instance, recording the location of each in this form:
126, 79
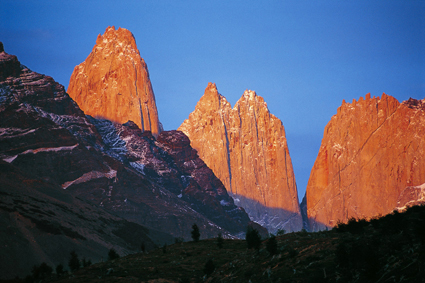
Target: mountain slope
69, 179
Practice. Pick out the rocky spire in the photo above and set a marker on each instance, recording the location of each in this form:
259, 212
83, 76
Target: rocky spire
371, 151
246, 149
113, 82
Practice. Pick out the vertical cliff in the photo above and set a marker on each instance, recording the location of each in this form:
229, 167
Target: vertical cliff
371, 151
113, 82
246, 148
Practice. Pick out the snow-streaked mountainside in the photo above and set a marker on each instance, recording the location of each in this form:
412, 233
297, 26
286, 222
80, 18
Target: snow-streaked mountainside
115, 185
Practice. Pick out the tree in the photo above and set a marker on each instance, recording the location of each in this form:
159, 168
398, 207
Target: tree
253, 238
220, 241
195, 233
113, 254
85, 262
271, 245
59, 270
74, 262
41, 272
281, 232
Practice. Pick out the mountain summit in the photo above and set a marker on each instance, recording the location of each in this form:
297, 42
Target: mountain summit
247, 150
113, 82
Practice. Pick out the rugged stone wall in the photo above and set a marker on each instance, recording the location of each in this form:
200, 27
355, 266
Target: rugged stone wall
371, 151
113, 82
246, 148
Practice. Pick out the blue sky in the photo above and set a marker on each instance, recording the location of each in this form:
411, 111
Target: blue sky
303, 57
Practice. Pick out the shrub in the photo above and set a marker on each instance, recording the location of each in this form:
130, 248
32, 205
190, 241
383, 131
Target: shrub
220, 241
209, 267
292, 252
59, 270
253, 238
281, 232
85, 262
74, 262
195, 233
353, 226
271, 245
178, 240
112, 254
41, 272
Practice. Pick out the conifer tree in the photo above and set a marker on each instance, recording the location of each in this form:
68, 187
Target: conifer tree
195, 233
253, 238
74, 262
113, 254
220, 241
271, 245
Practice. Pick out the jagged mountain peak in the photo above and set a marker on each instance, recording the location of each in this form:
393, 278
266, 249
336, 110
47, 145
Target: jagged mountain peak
212, 99
113, 82
117, 40
247, 150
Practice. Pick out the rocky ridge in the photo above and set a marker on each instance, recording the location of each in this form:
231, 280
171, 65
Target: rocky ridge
113, 82
246, 148
370, 157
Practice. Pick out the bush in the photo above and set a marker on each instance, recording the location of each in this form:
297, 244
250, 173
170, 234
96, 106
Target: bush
253, 238
85, 262
292, 252
209, 267
220, 241
112, 254
178, 240
271, 245
74, 262
41, 272
281, 232
353, 226
195, 233
59, 270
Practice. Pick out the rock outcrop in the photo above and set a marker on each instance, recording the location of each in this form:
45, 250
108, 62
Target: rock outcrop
113, 82
246, 148
371, 151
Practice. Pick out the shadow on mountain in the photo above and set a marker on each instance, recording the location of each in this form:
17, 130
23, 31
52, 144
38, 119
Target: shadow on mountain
271, 218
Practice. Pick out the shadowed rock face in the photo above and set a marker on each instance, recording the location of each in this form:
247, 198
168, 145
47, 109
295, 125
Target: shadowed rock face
70, 180
246, 148
171, 163
113, 82
371, 151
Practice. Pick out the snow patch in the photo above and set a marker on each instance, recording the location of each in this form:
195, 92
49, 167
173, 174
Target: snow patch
42, 149
90, 176
138, 166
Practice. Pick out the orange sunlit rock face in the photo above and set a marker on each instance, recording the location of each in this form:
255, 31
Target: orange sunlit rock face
113, 82
371, 151
246, 148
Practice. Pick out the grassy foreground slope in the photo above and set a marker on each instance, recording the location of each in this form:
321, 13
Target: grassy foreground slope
388, 249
